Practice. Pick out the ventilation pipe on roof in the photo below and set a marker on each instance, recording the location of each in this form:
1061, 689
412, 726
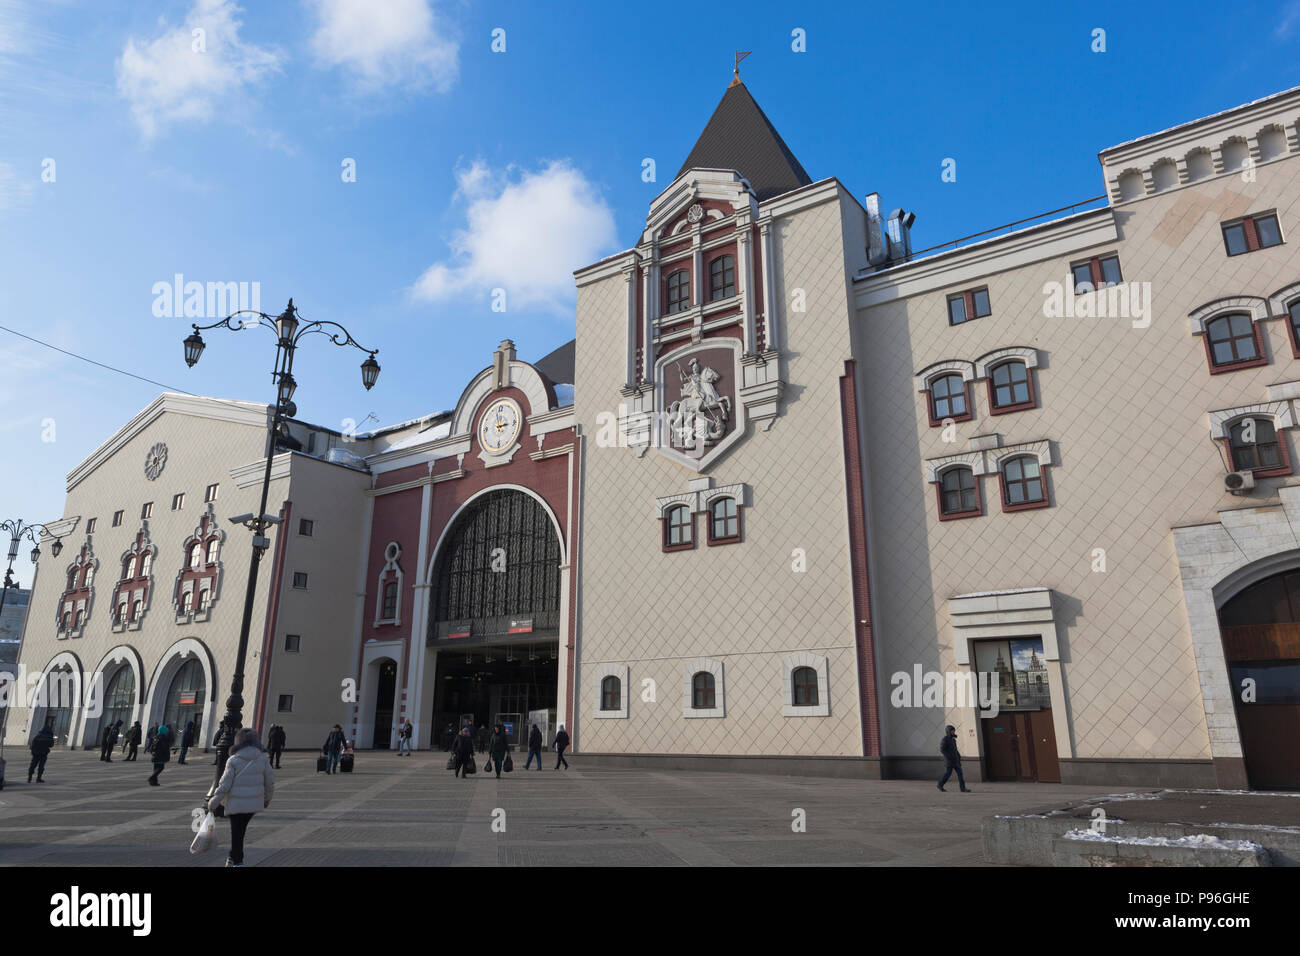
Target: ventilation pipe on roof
877, 250
900, 234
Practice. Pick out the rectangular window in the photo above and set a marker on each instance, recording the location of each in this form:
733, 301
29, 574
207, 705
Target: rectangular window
117, 518
305, 527
178, 501
286, 704
211, 493
964, 306
300, 580
293, 643
1096, 273
147, 510
1252, 233
90, 526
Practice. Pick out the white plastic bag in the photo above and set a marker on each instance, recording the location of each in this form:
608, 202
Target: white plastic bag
206, 838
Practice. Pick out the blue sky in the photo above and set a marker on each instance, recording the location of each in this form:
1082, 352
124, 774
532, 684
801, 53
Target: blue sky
478, 169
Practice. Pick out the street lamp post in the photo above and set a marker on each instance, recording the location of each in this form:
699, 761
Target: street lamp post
289, 331
35, 533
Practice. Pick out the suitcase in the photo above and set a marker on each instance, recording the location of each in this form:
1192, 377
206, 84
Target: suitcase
321, 765
345, 763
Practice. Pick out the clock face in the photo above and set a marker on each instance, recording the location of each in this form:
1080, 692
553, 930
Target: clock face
499, 426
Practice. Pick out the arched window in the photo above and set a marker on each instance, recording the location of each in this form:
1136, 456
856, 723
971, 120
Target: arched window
135, 609
1255, 446
121, 611
958, 494
146, 563
724, 521
212, 551
804, 683
1010, 388
1293, 312
611, 694
1231, 340
679, 291
67, 620
203, 599
948, 399
703, 691
722, 278
507, 526
678, 528
129, 571
1022, 482
81, 617
196, 555
72, 579
119, 698
390, 600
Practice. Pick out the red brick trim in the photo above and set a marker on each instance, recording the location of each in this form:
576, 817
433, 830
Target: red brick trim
861, 572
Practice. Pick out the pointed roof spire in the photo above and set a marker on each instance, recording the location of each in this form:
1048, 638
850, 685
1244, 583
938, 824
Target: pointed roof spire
739, 136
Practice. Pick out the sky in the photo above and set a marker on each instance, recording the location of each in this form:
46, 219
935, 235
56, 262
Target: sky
429, 173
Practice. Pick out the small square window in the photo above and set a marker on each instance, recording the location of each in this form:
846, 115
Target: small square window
286, 704
178, 501
117, 518
211, 493
147, 510
293, 643
957, 309
90, 526
300, 580
306, 527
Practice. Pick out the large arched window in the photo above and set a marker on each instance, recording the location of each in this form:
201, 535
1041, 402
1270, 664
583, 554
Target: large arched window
119, 698
500, 561
611, 694
185, 698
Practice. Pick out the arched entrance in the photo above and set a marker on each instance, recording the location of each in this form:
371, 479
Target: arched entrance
119, 698
495, 616
385, 695
185, 700
1261, 642
56, 702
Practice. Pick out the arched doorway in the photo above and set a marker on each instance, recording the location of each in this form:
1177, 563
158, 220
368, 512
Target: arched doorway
185, 700
1261, 642
119, 698
385, 695
495, 616
55, 702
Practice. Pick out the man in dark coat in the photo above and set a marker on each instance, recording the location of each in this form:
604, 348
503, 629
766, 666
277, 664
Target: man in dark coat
448, 737
463, 749
42, 744
561, 745
133, 741
108, 741
482, 737
534, 746
498, 745
951, 758
162, 752
187, 740
333, 749
275, 741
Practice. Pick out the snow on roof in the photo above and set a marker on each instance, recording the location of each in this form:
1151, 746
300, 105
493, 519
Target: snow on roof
441, 430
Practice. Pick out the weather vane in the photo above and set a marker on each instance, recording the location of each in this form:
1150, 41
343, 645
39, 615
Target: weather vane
740, 55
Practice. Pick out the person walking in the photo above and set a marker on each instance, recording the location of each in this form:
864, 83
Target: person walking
498, 747
951, 758
187, 740
150, 738
534, 746
404, 732
482, 738
162, 752
132, 741
333, 749
108, 741
275, 741
245, 788
42, 744
463, 750
561, 744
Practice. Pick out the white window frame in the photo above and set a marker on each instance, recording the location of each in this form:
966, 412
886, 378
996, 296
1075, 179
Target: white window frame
821, 665
715, 668
620, 671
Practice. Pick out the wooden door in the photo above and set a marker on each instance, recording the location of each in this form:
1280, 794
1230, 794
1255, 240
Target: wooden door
1042, 732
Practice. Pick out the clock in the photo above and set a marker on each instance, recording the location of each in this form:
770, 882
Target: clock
155, 460
499, 426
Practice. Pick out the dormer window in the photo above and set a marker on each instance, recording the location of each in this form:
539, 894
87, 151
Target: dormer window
679, 291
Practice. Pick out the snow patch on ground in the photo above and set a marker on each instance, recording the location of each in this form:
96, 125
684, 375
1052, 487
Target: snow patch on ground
1197, 841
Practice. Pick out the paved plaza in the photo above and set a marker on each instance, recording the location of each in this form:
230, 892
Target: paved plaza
410, 811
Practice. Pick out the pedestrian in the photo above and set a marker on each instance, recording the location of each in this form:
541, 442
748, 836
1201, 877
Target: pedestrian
333, 749
498, 747
133, 741
42, 744
162, 752
404, 732
534, 746
464, 752
951, 758
245, 787
108, 741
149, 740
561, 744
482, 738
276, 740
448, 737
187, 740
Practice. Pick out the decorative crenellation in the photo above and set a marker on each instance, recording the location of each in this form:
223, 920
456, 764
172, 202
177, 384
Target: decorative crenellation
199, 581
73, 610
134, 588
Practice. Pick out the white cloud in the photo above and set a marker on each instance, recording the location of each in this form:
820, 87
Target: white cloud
16, 191
386, 43
524, 233
181, 76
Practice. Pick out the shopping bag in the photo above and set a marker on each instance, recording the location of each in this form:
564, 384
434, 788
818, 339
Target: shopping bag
508, 765
451, 763
469, 765
206, 838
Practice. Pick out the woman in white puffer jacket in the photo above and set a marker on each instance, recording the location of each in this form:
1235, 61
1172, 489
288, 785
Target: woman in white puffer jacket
245, 787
